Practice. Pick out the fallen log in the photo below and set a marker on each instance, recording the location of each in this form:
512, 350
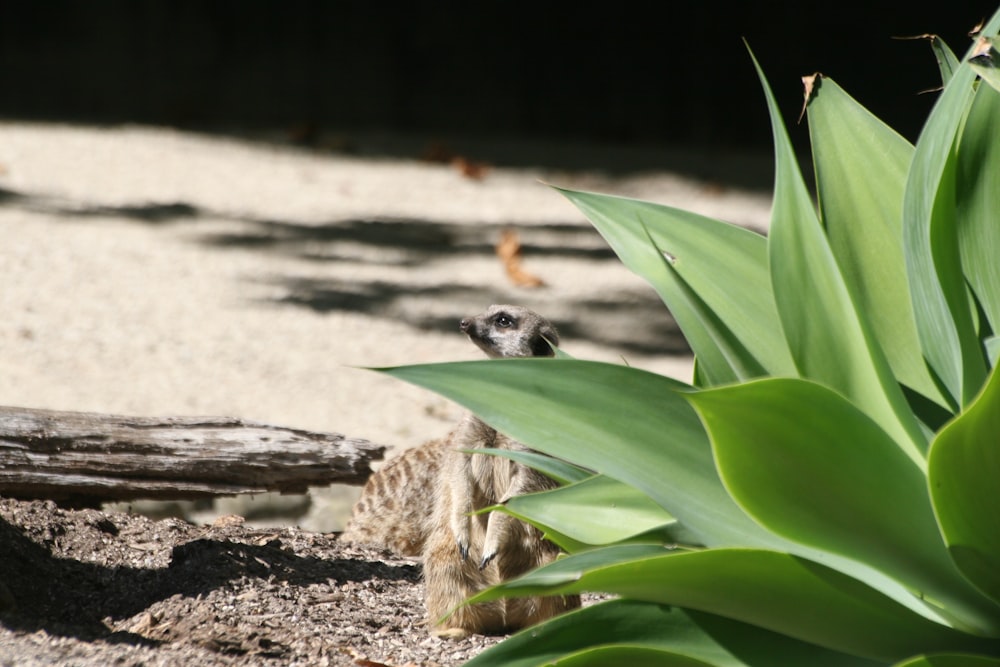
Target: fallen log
83, 457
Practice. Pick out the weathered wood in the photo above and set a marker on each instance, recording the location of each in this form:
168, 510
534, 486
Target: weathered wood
82, 456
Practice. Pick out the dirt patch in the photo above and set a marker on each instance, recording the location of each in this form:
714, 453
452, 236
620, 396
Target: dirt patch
90, 588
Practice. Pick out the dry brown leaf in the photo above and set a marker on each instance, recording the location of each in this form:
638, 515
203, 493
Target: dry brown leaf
927, 35
439, 152
469, 169
509, 251
808, 84
983, 49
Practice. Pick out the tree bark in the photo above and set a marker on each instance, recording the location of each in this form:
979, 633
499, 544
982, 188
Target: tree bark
83, 457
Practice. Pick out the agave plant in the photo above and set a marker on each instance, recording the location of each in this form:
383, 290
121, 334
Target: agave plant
827, 490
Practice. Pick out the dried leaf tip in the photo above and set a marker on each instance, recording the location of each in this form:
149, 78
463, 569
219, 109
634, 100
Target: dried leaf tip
810, 84
929, 36
982, 53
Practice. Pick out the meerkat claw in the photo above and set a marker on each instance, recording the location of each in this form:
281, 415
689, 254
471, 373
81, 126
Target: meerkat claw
463, 550
486, 560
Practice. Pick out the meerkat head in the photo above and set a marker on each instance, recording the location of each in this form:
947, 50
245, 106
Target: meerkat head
511, 331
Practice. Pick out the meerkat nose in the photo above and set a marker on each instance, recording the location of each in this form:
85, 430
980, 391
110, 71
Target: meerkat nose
465, 324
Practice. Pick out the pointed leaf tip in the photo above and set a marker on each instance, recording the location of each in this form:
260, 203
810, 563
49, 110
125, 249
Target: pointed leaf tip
809, 85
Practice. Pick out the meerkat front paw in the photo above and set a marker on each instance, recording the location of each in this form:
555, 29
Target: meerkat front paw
460, 529
497, 533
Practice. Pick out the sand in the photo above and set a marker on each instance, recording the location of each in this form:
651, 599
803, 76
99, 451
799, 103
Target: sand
151, 271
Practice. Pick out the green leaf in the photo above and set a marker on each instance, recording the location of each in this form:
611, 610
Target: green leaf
830, 342
596, 511
582, 411
984, 61
591, 410
830, 478
937, 285
565, 543
559, 353
991, 75
560, 471
634, 656
950, 660
861, 167
977, 201
964, 467
723, 265
617, 621
946, 59
992, 345
737, 363
775, 591
712, 639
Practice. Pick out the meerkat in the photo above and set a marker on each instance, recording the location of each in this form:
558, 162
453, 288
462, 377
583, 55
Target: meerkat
424, 502
467, 552
395, 507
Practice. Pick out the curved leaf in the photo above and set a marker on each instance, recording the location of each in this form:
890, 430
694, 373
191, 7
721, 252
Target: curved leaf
947, 62
978, 203
724, 266
776, 591
582, 411
596, 511
712, 639
830, 341
991, 75
632, 426
861, 166
937, 285
950, 660
725, 358
811, 467
634, 656
992, 345
560, 471
963, 475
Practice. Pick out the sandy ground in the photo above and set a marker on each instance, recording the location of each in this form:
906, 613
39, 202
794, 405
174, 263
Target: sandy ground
154, 272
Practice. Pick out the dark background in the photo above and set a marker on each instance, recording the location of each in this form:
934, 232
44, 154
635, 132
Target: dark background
624, 73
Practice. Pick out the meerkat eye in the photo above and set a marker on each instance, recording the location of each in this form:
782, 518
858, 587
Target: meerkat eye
504, 321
